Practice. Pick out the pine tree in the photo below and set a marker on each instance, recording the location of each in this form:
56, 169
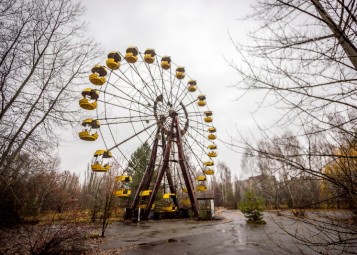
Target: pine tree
252, 207
137, 164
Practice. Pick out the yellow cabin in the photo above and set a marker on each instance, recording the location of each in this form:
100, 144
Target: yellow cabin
167, 205
212, 154
143, 206
212, 147
211, 129
201, 188
89, 100
149, 56
180, 72
170, 208
208, 171
201, 103
145, 193
131, 55
97, 77
165, 62
122, 192
86, 133
201, 100
208, 163
212, 136
123, 178
168, 195
113, 61
201, 178
208, 113
201, 97
208, 119
101, 161
191, 87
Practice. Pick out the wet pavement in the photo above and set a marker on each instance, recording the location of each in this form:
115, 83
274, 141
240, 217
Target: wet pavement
232, 235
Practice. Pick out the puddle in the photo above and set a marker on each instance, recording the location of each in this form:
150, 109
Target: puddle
147, 244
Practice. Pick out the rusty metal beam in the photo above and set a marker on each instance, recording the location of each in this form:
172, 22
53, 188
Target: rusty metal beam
145, 181
160, 175
185, 173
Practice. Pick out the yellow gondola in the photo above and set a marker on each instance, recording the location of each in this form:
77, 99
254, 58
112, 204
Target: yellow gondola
167, 205
149, 56
145, 193
192, 86
212, 136
97, 77
170, 208
131, 55
165, 62
212, 154
201, 178
123, 178
201, 100
122, 192
201, 188
184, 190
89, 100
168, 195
208, 113
212, 147
208, 119
113, 61
101, 161
143, 206
88, 125
208, 171
180, 72
208, 163
211, 129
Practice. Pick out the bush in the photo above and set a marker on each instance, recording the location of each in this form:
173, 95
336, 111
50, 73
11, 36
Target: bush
252, 207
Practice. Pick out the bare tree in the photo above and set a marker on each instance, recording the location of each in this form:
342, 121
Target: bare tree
44, 55
303, 59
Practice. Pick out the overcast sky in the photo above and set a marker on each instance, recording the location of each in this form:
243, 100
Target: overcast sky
196, 35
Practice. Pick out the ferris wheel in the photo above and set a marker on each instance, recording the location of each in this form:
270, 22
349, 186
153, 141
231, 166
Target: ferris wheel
140, 97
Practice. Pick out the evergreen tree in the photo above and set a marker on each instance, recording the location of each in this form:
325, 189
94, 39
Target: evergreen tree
137, 164
252, 207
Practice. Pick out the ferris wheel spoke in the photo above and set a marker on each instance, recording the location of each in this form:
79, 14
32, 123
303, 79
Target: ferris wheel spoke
196, 140
131, 137
125, 121
196, 121
163, 80
123, 107
199, 161
153, 78
184, 93
143, 81
199, 129
128, 81
129, 99
148, 88
172, 81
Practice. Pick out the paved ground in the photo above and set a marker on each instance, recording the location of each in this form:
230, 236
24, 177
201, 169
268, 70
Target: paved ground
228, 236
